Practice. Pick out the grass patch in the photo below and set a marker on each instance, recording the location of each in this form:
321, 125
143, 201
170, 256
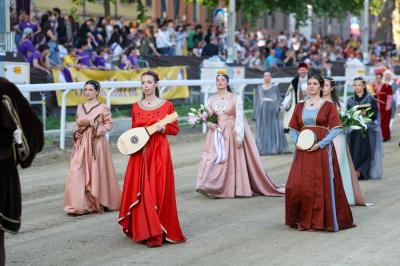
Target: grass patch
53, 121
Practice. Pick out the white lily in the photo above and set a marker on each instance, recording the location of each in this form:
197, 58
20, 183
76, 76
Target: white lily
356, 127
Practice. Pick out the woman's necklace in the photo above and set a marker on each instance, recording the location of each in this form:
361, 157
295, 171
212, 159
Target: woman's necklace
221, 96
312, 104
149, 101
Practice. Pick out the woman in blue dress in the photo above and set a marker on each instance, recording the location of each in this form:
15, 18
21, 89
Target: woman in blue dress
270, 138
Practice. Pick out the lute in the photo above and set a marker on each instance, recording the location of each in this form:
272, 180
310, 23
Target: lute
136, 138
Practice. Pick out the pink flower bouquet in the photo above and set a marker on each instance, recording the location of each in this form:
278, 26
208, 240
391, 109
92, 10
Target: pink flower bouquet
201, 115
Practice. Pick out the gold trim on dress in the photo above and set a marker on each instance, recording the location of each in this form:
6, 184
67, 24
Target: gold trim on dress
8, 230
14, 116
130, 208
8, 219
169, 240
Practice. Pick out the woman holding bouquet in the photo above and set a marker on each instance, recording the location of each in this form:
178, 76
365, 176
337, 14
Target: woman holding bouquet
270, 138
91, 184
148, 211
315, 198
347, 171
366, 148
230, 165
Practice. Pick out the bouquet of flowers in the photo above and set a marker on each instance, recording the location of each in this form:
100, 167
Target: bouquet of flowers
356, 118
201, 115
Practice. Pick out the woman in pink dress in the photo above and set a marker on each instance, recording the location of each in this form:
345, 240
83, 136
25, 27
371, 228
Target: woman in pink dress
91, 184
230, 165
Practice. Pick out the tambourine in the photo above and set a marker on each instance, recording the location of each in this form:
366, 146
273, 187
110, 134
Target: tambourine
307, 138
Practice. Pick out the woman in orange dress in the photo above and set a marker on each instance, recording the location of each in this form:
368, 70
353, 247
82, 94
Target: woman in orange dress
315, 198
91, 184
148, 211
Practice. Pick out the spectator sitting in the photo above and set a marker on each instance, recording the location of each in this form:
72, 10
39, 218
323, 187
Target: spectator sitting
84, 55
69, 59
290, 59
26, 44
212, 48
254, 61
40, 59
133, 58
25, 23
99, 60
116, 51
271, 61
124, 64
197, 50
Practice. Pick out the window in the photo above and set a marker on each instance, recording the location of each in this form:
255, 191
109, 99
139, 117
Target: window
209, 15
176, 8
195, 11
163, 8
149, 3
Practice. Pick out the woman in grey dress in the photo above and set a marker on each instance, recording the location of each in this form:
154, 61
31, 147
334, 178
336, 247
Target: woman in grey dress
270, 138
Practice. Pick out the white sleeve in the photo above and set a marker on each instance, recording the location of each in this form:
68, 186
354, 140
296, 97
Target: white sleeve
288, 97
239, 121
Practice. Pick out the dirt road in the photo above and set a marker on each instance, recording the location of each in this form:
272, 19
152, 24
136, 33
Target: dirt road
245, 231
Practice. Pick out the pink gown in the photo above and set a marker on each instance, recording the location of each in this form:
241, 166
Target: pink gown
91, 183
240, 173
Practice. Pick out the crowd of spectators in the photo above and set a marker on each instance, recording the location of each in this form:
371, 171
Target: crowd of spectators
52, 41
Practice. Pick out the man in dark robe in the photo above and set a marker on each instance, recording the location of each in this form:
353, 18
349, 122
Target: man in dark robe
21, 137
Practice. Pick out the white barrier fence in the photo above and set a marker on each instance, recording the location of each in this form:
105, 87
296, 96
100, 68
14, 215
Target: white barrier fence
239, 84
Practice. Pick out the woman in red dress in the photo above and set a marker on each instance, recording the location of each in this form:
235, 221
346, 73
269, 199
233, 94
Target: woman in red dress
315, 198
384, 96
148, 208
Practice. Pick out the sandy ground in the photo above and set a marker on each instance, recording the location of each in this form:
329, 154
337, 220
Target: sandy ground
243, 231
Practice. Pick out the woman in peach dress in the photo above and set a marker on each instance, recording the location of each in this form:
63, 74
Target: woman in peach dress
91, 184
230, 165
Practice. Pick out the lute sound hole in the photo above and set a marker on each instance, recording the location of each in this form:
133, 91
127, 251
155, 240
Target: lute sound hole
134, 139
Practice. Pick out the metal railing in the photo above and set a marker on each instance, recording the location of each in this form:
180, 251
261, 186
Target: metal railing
7, 42
238, 84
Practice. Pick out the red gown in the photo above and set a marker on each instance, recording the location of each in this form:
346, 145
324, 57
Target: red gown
308, 200
148, 211
384, 97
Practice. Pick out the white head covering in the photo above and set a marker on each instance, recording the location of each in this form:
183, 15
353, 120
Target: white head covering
387, 71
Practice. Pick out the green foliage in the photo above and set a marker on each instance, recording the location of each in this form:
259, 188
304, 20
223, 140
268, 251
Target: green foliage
338, 9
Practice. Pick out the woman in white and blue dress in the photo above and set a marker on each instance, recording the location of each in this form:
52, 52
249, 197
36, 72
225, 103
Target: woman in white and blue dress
349, 176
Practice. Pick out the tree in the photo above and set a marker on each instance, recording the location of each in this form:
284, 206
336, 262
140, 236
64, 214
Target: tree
331, 9
385, 18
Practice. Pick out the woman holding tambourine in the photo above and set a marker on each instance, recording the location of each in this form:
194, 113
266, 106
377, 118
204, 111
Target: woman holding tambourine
148, 211
315, 198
